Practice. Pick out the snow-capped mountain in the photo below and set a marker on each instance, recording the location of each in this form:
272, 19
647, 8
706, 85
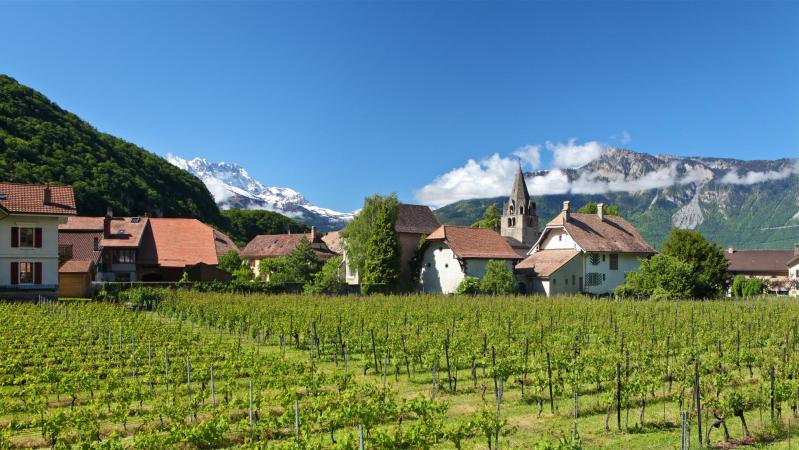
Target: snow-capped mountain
233, 187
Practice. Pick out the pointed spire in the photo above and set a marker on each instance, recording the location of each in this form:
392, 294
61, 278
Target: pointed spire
518, 193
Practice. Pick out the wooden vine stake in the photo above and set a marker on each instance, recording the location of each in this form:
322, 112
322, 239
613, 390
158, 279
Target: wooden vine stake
213, 393
251, 420
297, 419
549, 381
698, 396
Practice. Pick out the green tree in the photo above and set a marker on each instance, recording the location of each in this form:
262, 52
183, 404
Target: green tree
230, 261
491, 218
381, 267
705, 258
299, 266
357, 233
752, 287
498, 278
329, 280
591, 208
242, 225
661, 276
469, 285
738, 285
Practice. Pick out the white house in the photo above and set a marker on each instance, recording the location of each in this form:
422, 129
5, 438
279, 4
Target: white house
29, 218
588, 253
452, 253
793, 272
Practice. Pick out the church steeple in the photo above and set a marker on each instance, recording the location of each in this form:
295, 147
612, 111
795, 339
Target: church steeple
519, 220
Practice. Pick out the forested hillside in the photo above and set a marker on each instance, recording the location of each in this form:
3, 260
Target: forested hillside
40, 142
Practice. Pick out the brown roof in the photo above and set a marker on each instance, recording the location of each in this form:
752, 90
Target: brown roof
334, 242
76, 266
613, 234
78, 223
518, 246
270, 245
29, 199
762, 261
545, 262
126, 232
182, 243
81, 243
415, 219
468, 242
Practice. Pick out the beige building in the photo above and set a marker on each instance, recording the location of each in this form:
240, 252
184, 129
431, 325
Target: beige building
771, 266
29, 219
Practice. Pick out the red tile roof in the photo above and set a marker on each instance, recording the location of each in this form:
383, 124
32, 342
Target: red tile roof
76, 266
126, 232
29, 199
613, 234
270, 245
334, 242
759, 261
81, 242
468, 242
415, 219
545, 262
78, 223
182, 243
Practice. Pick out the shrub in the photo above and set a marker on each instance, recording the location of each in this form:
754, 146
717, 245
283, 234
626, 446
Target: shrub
752, 287
145, 297
498, 278
705, 258
664, 275
738, 286
469, 286
328, 280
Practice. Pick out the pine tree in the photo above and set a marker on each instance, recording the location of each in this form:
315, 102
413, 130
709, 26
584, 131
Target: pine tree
382, 263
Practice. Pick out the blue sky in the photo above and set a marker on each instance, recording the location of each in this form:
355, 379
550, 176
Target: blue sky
341, 100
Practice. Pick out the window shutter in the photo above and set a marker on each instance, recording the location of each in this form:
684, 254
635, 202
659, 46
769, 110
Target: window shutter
37, 273
37, 238
14, 237
14, 273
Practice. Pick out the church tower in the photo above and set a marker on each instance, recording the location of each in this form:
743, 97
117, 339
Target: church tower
519, 219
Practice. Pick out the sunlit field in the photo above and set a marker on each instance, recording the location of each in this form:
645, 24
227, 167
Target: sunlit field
211, 370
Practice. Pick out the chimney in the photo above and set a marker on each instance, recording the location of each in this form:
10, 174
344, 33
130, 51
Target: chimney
109, 214
600, 211
565, 212
730, 250
313, 233
48, 195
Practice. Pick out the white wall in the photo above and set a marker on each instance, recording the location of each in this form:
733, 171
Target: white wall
566, 280
557, 238
441, 271
628, 262
47, 254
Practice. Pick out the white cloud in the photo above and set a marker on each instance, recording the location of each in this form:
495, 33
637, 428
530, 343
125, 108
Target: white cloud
754, 177
625, 137
573, 155
552, 182
529, 155
489, 177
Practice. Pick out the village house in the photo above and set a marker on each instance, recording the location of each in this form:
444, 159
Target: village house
29, 219
771, 266
793, 272
414, 222
588, 253
146, 249
452, 253
265, 246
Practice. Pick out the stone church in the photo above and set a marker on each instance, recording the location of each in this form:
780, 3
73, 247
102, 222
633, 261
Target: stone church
519, 225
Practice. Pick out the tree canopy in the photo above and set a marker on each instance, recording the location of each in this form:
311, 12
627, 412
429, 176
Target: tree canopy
661, 276
491, 218
591, 208
705, 258
498, 278
299, 266
357, 233
381, 267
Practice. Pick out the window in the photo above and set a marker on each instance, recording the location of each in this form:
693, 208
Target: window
554, 282
566, 281
593, 279
594, 258
603, 257
25, 273
574, 279
122, 276
97, 244
124, 256
614, 261
560, 237
26, 237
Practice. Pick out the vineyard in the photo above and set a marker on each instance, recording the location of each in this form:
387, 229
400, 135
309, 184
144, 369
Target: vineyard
214, 370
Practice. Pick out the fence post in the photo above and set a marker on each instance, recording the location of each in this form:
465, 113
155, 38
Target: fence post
297, 419
251, 423
360, 436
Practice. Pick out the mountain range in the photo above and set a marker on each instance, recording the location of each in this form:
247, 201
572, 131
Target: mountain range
234, 188
735, 203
